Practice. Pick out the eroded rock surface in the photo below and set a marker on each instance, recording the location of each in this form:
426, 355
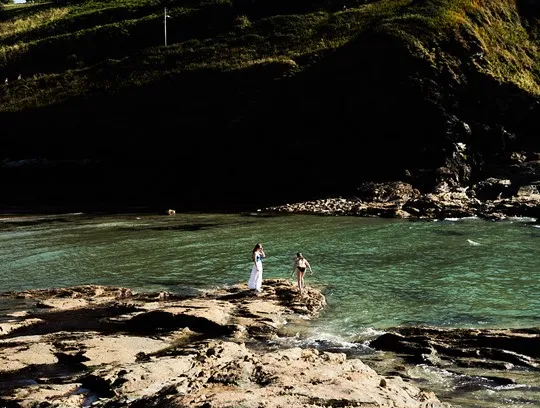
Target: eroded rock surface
471, 359
102, 346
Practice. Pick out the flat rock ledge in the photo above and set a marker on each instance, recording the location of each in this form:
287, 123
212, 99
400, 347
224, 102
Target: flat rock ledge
110, 347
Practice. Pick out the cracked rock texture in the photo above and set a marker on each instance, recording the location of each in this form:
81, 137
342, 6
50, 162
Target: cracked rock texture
110, 347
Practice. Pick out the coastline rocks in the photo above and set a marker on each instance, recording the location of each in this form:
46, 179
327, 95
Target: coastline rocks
492, 358
506, 186
401, 200
111, 347
464, 347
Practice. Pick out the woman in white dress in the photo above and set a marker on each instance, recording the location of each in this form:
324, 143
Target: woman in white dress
255, 280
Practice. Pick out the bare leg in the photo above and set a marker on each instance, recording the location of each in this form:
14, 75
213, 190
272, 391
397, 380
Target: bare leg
300, 278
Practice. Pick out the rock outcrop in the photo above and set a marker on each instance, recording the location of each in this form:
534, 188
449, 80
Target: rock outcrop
492, 359
110, 347
401, 200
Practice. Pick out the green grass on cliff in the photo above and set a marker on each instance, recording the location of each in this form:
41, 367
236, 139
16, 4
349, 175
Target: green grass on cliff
79, 49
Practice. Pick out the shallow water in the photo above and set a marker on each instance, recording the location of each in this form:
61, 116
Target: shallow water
376, 273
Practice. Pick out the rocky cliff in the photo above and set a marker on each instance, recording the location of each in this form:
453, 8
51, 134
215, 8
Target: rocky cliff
325, 95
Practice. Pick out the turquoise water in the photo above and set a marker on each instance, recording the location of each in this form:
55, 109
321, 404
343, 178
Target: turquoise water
376, 273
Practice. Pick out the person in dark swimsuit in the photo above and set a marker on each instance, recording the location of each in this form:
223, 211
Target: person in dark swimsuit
300, 266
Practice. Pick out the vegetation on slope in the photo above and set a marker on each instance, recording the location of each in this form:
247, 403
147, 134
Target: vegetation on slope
87, 46
399, 77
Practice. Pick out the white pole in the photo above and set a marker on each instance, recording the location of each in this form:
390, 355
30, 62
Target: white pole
165, 24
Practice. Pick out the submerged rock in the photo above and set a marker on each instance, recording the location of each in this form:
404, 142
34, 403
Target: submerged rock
471, 359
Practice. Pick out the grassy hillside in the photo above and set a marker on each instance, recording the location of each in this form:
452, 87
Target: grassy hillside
70, 49
385, 85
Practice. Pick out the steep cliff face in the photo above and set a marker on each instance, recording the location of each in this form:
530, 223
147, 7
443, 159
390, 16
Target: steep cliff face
445, 73
313, 99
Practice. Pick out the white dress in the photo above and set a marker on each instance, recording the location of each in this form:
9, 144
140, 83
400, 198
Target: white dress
255, 279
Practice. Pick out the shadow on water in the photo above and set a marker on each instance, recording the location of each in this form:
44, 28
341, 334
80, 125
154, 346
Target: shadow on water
448, 233
190, 227
7, 225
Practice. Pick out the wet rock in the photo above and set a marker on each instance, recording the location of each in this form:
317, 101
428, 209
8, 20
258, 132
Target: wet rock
501, 355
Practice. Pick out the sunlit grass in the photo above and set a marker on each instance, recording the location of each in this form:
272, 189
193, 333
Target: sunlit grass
505, 46
123, 39
490, 35
31, 21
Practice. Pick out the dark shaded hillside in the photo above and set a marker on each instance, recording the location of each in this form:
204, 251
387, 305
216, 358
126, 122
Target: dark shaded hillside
246, 108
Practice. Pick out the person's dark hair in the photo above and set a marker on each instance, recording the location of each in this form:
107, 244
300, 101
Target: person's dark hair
256, 247
299, 255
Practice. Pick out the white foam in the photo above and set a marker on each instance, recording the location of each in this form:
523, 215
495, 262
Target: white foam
510, 387
522, 219
455, 219
111, 224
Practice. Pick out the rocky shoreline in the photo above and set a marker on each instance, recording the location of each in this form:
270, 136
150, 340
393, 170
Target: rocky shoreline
402, 200
509, 187
109, 347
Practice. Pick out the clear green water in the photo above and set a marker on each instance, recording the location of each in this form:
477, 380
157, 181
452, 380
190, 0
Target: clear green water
376, 273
